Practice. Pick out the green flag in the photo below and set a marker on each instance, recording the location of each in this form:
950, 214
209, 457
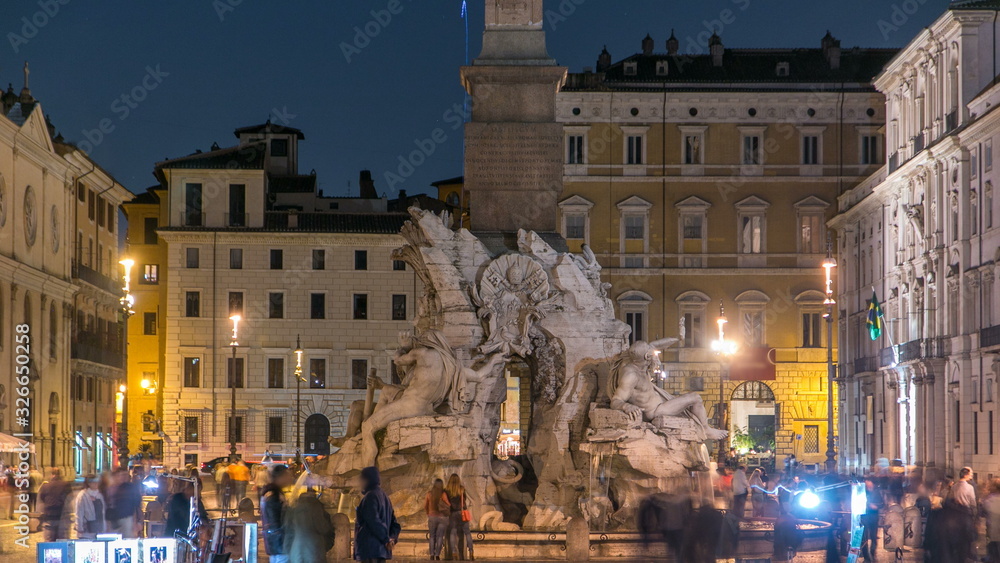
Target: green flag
875, 321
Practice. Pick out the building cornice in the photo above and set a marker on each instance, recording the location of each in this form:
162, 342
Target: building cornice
247, 238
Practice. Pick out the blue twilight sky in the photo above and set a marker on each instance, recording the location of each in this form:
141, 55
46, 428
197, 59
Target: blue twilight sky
204, 67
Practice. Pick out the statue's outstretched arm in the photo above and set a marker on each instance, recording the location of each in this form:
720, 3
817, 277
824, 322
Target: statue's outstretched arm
487, 369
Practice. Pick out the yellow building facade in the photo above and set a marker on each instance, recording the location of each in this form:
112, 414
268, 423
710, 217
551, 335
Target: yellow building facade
705, 182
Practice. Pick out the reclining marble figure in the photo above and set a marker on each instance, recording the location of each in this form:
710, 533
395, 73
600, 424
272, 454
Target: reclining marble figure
431, 375
631, 390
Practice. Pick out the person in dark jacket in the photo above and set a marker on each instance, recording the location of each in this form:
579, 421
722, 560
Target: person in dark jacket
272, 511
179, 511
53, 495
124, 502
376, 530
308, 530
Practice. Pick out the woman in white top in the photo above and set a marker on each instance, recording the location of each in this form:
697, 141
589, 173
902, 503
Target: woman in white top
89, 510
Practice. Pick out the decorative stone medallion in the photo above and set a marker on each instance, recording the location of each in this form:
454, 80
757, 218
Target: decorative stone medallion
510, 296
54, 224
30, 216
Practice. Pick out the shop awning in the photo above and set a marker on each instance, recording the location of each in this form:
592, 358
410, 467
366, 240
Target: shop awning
9, 444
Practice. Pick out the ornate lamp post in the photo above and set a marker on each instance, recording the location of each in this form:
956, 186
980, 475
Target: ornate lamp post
829, 263
724, 349
234, 344
298, 400
127, 300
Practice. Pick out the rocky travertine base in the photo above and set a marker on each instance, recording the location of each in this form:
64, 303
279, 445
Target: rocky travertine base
641, 458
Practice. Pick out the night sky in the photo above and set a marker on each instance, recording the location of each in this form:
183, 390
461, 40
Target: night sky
204, 67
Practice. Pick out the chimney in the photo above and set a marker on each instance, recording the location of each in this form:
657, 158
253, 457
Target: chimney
831, 50
716, 49
604, 60
673, 45
647, 45
367, 185
402, 195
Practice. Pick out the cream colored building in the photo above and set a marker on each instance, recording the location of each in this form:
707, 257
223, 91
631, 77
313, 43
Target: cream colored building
708, 179
922, 231
65, 291
239, 231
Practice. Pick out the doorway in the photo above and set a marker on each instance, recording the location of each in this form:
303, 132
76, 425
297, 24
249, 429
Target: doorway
515, 411
317, 430
752, 421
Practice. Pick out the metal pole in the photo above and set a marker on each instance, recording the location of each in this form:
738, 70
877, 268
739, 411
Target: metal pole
126, 301
828, 265
232, 408
723, 367
831, 453
298, 419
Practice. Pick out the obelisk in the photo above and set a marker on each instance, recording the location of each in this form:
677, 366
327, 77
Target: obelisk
513, 144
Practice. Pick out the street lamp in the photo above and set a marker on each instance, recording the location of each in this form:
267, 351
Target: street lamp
298, 400
724, 349
234, 344
127, 301
829, 263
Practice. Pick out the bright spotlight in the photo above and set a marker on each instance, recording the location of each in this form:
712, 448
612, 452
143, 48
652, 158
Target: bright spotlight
808, 500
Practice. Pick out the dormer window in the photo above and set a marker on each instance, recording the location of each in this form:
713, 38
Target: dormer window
662, 68
279, 147
631, 68
781, 69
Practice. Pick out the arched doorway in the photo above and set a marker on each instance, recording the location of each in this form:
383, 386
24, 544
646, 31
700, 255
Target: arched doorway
317, 430
515, 410
752, 419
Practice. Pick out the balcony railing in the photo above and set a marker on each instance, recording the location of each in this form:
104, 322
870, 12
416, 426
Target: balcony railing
97, 348
191, 219
989, 337
96, 279
865, 364
913, 350
237, 219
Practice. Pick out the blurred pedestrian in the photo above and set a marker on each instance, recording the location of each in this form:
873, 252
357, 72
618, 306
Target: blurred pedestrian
963, 493
124, 501
239, 477
179, 511
741, 489
221, 475
438, 511
308, 529
458, 526
376, 530
53, 495
787, 537
665, 515
273, 507
991, 508
757, 484
89, 510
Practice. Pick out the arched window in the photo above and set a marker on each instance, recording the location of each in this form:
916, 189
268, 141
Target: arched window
633, 306
691, 307
753, 391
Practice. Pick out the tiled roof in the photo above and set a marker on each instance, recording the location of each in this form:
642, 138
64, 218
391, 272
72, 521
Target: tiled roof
269, 127
741, 69
423, 201
241, 157
146, 197
449, 181
975, 5
293, 184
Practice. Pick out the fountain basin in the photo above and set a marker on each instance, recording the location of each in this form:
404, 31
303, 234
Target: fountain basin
756, 540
